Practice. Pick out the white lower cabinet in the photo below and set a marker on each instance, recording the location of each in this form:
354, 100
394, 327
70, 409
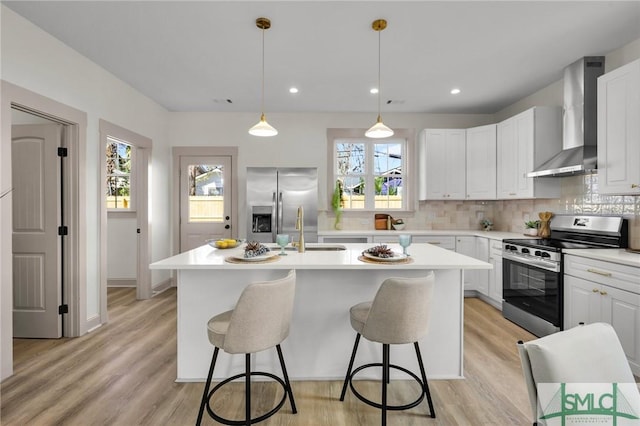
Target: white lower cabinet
467, 246
598, 291
444, 241
494, 292
482, 275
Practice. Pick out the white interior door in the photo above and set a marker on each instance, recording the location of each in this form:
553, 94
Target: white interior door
205, 199
36, 244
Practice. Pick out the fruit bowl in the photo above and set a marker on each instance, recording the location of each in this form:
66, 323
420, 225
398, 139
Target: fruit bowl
225, 243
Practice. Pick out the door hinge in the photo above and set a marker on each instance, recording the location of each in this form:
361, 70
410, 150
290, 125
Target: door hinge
62, 152
63, 309
63, 230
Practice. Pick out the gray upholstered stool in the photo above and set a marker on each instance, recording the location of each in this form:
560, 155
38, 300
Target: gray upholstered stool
398, 314
259, 321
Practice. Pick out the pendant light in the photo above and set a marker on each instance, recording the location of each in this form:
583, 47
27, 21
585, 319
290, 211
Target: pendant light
262, 128
379, 130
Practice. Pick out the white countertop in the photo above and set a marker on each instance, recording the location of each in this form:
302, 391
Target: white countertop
424, 256
620, 256
494, 235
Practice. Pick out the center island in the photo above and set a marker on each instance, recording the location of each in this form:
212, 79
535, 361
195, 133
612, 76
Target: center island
330, 279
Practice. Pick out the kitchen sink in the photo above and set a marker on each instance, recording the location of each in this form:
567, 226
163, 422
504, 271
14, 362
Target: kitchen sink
312, 247
322, 247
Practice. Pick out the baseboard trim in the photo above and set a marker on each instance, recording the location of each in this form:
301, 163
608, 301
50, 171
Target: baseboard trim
162, 286
122, 282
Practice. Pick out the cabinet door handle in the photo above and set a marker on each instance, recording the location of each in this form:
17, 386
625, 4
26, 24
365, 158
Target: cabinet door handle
604, 293
595, 271
512, 193
434, 242
634, 185
595, 290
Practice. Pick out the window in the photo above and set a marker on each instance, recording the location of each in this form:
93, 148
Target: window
206, 192
372, 172
119, 160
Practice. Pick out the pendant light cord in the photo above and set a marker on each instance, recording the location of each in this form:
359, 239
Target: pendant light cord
379, 61
262, 99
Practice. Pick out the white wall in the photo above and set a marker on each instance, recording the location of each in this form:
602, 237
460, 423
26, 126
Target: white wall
553, 93
32, 59
301, 141
122, 248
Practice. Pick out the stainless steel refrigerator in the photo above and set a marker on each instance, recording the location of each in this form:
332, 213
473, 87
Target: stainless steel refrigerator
273, 198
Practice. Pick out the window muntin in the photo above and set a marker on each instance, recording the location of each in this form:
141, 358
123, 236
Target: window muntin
371, 173
119, 160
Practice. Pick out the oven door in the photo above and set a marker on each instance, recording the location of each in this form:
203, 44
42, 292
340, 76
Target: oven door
533, 289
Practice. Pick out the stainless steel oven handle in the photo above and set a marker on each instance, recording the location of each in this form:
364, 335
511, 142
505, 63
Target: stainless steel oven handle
532, 261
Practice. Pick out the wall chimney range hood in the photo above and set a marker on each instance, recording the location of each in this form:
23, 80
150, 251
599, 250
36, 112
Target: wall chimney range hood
579, 121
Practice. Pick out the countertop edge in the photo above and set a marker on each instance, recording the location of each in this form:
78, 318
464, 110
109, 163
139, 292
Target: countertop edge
620, 256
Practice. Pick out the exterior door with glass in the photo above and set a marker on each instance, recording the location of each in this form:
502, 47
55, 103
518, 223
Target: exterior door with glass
205, 199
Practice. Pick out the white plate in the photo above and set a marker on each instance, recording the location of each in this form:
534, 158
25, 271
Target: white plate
265, 256
395, 258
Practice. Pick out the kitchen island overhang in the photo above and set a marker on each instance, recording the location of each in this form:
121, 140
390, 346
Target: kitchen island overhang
328, 284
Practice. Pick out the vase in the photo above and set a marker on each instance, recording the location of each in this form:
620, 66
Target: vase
531, 231
545, 229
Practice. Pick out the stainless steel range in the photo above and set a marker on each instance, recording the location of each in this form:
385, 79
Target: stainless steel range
532, 268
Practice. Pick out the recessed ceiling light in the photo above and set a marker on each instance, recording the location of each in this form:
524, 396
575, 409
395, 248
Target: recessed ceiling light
374, 91
293, 90
455, 91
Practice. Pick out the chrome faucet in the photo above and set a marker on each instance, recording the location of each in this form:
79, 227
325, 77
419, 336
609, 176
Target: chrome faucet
300, 227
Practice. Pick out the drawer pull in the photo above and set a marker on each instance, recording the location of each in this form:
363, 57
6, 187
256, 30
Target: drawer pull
595, 290
434, 242
595, 271
604, 293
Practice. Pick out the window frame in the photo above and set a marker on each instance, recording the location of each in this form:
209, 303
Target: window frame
132, 176
408, 161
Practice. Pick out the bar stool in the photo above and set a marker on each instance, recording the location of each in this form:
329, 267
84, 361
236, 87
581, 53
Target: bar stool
398, 314
259, 321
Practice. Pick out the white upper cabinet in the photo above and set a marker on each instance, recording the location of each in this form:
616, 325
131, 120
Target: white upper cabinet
481, 163
525, 141
442, 164
619, 130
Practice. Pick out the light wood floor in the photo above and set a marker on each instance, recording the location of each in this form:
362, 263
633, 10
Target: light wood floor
123, 374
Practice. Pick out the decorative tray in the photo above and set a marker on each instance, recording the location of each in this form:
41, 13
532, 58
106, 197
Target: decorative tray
394, 258
265, 258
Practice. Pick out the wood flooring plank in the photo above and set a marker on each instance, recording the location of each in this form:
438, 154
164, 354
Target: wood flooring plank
124, 374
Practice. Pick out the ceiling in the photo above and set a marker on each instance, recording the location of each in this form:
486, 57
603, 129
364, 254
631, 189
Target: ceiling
194, 56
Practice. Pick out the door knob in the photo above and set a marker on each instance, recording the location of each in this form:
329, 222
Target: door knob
227, 226
226, 218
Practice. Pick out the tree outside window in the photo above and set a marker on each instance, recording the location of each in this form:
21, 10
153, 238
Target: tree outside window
119, 155
371, 173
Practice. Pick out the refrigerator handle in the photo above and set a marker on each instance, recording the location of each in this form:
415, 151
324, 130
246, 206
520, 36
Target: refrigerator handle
274, 221
280, 208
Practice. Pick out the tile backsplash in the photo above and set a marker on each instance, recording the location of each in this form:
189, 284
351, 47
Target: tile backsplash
579, 195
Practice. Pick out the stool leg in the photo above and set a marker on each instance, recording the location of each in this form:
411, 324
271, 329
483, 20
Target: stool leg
286, 380
205, 394
353, 357
247, 388
385, 381
424, 380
